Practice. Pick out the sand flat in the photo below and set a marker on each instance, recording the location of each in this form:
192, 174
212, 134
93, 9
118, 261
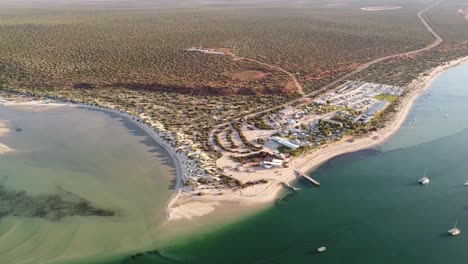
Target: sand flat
380, 8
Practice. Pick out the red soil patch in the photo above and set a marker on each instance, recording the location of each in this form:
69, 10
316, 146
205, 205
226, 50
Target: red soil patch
328, 73
290, 88
380, 8
248, 75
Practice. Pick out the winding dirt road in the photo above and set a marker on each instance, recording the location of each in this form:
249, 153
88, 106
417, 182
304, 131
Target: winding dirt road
438, 40
300, 89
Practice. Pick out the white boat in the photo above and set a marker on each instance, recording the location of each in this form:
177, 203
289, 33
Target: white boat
466, 183
454, 231
424, 180
321, 249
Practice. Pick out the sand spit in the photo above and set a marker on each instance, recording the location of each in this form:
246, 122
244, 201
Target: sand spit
31, 106
380, 8
4, 130
192, 209
24, 105
337, 4
5, 149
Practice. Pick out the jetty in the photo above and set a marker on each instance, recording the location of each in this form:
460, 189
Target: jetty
310, 179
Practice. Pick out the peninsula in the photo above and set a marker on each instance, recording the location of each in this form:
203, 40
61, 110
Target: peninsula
246, 125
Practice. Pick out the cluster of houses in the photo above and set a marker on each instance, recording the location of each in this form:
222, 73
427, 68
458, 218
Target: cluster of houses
348, 107
289, 117
359, 96
276, 159
314, 132
274, 163
371, 111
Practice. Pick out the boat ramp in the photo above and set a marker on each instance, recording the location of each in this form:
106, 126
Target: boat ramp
308, 178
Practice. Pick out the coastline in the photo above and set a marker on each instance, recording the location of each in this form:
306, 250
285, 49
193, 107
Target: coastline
177, 158
4, 130
264, 194
416, 89
184, 205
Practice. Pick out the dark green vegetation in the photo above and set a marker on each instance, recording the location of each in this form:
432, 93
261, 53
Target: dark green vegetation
255, 157
48, 206
134, 59
193, 116
387, 97
450, 25
139, 49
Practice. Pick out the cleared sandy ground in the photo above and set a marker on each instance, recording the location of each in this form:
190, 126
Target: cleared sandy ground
337, 4
380, 8
464, 13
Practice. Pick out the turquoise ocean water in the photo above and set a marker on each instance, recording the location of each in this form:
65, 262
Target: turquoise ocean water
369, 208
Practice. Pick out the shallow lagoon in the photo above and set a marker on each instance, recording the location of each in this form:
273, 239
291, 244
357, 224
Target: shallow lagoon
79, 155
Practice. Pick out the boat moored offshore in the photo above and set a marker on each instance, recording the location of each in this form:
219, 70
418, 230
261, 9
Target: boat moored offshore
454, 231
424, 180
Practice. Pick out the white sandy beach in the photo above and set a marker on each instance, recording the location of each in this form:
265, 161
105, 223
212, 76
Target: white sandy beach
4, 130
380, 8
5, 149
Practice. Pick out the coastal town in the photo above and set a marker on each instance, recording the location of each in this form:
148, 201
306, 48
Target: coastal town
192, 131
248, 146
253, 146
236, 148
251, 157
